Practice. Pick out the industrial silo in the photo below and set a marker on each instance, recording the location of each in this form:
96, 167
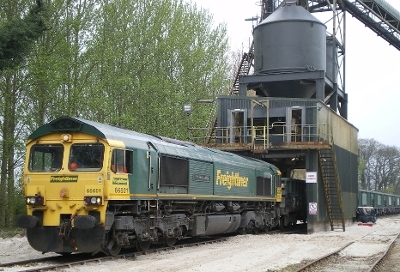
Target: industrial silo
289, 40
331, 58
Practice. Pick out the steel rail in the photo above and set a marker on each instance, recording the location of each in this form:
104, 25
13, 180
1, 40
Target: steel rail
336, 252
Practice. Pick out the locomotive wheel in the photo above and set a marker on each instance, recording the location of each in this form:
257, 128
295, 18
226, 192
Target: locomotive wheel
242, 231
113, 248
114, 251
170, 241
282, 223
143, 245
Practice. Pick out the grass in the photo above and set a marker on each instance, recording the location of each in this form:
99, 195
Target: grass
8, 233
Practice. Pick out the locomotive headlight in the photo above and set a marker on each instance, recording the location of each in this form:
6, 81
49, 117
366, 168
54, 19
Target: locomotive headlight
34, 200
92, 200
66, 138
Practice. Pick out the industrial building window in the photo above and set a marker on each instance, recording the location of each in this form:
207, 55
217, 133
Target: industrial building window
263, 186
174, 171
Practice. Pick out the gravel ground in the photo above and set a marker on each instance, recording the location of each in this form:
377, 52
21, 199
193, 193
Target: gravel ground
391, 263
263, 252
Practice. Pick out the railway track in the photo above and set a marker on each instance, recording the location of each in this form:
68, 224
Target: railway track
364, 254
59, 262
391, 261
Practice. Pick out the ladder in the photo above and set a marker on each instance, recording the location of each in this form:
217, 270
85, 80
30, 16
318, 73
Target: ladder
333, 194
243, 69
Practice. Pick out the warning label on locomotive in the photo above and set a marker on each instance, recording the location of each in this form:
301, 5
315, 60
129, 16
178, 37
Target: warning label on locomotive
278, 194
63, 178
231, 180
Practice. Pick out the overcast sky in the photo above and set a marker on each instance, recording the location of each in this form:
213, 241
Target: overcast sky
372, 68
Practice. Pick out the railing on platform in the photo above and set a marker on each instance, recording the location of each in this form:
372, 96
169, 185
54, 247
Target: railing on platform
275, 134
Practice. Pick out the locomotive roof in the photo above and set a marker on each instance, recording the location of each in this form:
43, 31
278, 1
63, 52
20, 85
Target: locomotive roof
71, 124
162, 144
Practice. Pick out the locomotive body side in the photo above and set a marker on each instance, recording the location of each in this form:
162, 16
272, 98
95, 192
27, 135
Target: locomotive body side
91, 187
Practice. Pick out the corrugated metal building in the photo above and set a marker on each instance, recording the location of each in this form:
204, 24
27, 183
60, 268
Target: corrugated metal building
291, 112
296, 135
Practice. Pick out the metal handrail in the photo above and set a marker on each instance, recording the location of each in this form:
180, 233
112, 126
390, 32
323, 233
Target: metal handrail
278, 132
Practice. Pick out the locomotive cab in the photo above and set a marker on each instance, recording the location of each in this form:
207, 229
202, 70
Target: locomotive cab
65, 193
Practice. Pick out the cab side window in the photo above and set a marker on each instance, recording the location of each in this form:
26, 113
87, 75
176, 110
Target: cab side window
121, 161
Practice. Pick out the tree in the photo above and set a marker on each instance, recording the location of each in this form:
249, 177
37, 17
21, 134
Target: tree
129, 63
368, 148
17, 36
382, 166
149, 58
57, 67
387, 165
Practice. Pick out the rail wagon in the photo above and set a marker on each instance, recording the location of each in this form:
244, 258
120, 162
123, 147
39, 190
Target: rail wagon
92, 187
382, 203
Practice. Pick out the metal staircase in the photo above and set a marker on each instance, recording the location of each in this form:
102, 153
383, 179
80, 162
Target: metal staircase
243, 69
332, 190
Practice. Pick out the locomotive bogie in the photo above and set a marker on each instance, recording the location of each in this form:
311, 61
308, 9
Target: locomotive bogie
58, 239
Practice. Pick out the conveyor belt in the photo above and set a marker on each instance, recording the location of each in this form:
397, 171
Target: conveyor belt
378, 15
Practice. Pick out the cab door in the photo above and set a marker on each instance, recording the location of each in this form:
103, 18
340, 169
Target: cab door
152, 171
143, 181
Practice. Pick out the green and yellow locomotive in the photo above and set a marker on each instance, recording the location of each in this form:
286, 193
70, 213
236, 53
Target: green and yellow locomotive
93, 187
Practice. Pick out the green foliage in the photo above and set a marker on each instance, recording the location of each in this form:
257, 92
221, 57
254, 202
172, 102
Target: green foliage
129, 63
149, 59
19, 29
12, 232
17, 36
19, 196
362, 165
389, 189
